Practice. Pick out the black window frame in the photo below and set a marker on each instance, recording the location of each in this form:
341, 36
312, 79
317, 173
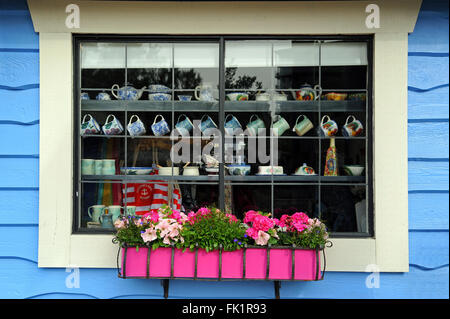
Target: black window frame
220, 39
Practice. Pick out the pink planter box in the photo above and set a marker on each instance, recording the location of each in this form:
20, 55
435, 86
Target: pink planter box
146, 263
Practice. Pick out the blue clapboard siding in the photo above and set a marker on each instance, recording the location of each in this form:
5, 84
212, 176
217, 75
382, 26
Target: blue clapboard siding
428, 173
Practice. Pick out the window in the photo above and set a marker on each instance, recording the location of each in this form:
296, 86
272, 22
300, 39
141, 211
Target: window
280, 83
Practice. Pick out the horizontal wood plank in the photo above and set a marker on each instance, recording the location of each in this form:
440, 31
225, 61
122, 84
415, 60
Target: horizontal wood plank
16, 29
428, 211
426, 72
431, 30
435, 96
19, 68
428, 139
427, 175
20, 105
19, 172
19, 207
22, 139
428, 249
428, 111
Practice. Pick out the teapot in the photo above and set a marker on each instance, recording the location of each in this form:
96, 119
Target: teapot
307, 93
127, 92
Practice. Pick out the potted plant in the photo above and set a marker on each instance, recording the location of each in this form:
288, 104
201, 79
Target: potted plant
211, 244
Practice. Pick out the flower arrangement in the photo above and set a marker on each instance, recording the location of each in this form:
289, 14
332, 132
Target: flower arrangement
210, 229
296, 229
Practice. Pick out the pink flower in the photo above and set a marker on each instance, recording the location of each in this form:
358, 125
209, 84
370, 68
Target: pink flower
263, 223
263, 238
253, 233
232, 218
119, 223
203, 211
249, 216
149, 235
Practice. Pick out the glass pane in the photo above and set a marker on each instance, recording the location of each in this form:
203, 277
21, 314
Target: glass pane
102, 55
344, 53
149, 55
296, 198
195, 196
248, 54
196, 55
344, 208
242, 198
291, 53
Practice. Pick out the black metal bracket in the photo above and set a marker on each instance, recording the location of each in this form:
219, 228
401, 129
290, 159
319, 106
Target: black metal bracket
165, 284
276, 287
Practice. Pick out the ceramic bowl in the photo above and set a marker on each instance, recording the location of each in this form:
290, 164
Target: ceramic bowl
185, 98
191, 171
238, 96
353, 170
136, 170
167, 171
158, 88
333, 96
239, 170
159, 97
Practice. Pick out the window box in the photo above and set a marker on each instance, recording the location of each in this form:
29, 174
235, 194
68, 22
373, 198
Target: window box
250, 263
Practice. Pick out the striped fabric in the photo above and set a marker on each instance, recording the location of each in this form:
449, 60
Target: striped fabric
150, 196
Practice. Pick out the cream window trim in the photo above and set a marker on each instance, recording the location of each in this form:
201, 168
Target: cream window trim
58, 247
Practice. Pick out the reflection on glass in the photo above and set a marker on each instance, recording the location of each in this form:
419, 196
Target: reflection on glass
242, 198
196, 55
343, 208
295, 198
197, 196
102, 55
291, 54
149, 55
343, 53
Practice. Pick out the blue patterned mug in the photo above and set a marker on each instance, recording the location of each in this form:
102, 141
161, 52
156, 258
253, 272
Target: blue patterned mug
89, 126
232, 124
84, 96
185, 126
136, 128
113, 126
103, 96
160, 128
207, 123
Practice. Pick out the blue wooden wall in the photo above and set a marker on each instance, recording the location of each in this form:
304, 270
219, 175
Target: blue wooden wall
428, 129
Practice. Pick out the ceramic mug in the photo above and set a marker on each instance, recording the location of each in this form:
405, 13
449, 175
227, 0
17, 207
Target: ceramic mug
204, 93
136, 128
98, 167
352, 128
87, 167
108, 167
113, 126
89, 126
207, 123
84, 96
232, 124
328, 127
280, 126
160, 128
254, 126
113, 210
103, 96
131, 210
303, 127
185, 126
95, 212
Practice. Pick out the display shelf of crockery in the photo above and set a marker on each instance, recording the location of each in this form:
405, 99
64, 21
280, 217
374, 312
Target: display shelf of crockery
149, 106
250, 263
295, 106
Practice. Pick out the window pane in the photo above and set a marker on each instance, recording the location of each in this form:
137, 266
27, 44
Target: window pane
343, 53
102, 55
149, 55
196, 55
290, 53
